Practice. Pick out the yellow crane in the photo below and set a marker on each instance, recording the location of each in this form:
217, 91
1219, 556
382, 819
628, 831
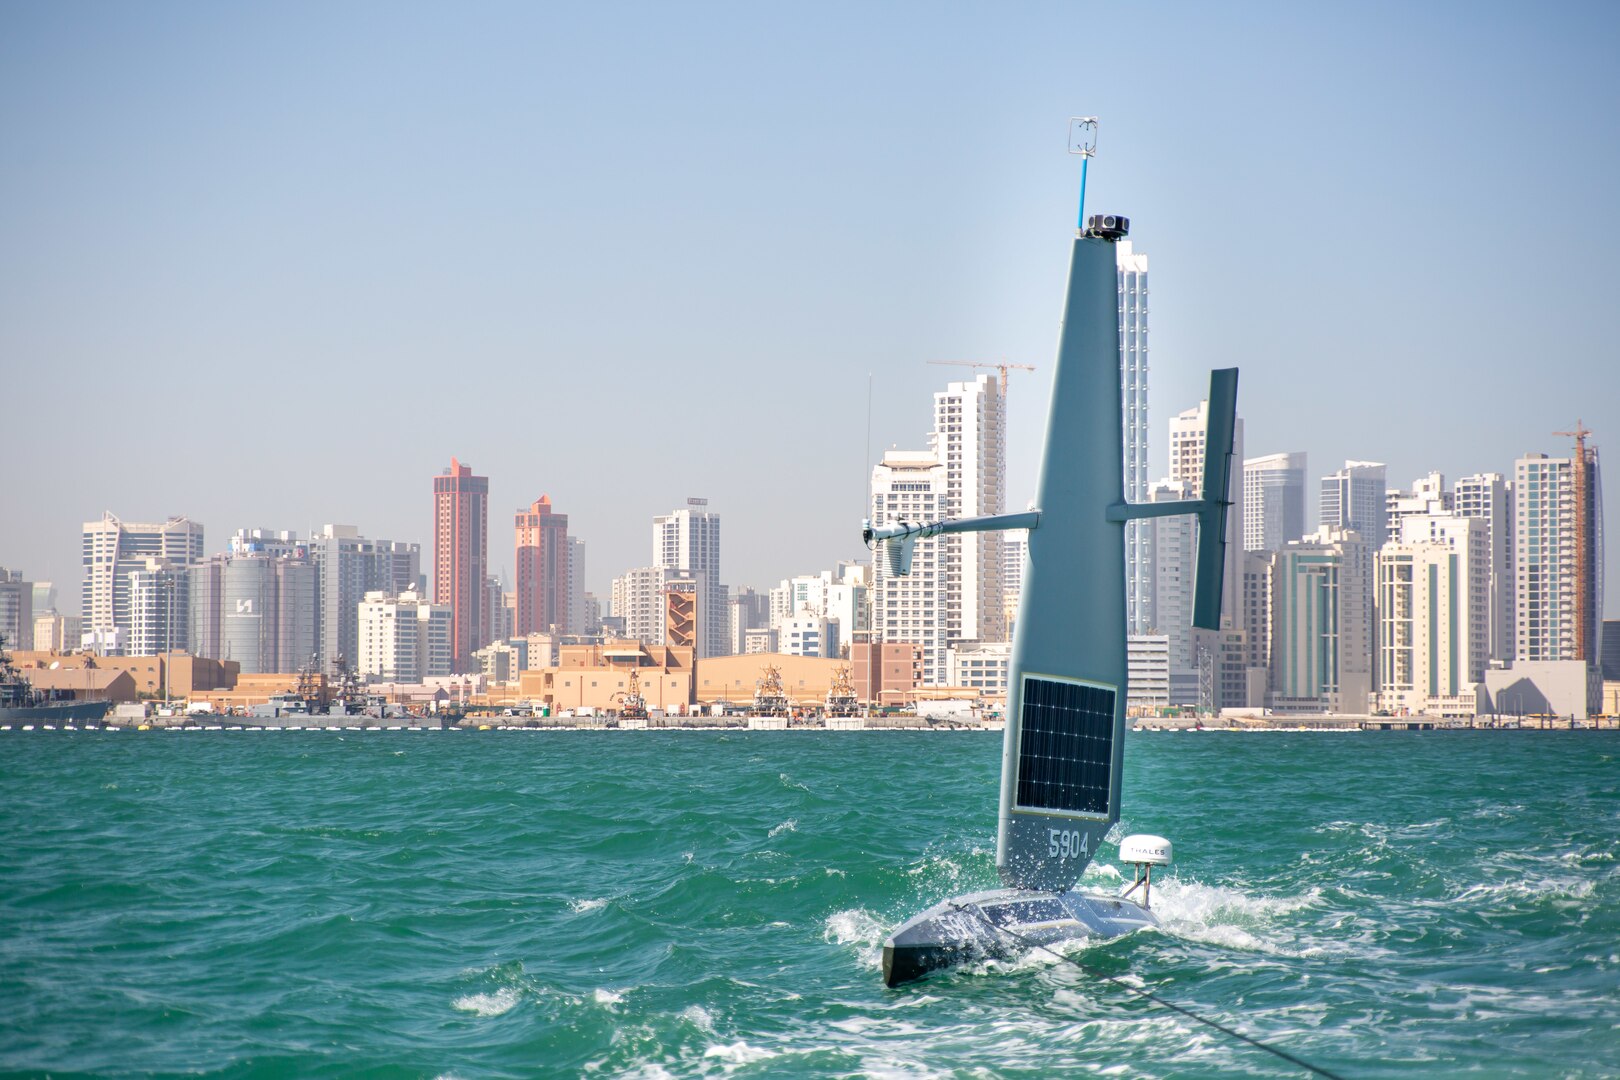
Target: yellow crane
1003, 368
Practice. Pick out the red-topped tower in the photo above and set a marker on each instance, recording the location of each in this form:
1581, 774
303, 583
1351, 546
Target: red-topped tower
541, 549
461, 556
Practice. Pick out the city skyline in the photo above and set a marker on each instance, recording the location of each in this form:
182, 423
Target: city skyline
299, 258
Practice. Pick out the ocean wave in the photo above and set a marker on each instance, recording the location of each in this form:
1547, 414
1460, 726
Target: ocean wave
790, 825
579, 907
1228, 917
739, 1053
500, 1002
861, 929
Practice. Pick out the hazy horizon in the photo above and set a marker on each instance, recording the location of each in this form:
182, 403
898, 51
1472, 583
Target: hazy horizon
272, 267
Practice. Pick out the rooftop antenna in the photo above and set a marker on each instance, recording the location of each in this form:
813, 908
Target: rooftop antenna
1083, 141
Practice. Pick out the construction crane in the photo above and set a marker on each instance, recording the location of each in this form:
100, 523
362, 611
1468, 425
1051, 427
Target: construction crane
1585, 576
1003, 368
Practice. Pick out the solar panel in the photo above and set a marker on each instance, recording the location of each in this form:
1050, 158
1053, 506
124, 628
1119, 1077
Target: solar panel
1066, 746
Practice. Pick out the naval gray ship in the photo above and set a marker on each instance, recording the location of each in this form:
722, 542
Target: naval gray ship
21, 702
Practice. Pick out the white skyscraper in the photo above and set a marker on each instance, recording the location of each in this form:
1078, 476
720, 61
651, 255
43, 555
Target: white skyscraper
1187, 465
910, 485
160, 609
1321, 624
1433, 608
1273, 500
113, 549
1171, 555
1428, 496
638, 599
1133, 381
689, 539
969, 439
1557, 556
1014, 549
403, 638
1353, 498
348, 566
1489, 497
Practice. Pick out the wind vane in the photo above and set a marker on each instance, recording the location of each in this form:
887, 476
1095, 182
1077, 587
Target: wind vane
1083, 141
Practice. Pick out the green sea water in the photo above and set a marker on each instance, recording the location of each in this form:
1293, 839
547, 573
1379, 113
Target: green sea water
652, 904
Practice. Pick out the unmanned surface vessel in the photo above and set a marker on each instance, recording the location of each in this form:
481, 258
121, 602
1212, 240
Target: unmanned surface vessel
1063, 747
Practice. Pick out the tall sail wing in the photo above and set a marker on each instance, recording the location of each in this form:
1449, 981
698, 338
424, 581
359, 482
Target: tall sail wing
1211, 557
1063, 746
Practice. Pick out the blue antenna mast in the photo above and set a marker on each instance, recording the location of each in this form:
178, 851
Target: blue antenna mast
1083, 141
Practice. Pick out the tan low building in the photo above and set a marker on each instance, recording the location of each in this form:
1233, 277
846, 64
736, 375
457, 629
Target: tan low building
179, 675
732, 680
256, 688
599, 677
84, 684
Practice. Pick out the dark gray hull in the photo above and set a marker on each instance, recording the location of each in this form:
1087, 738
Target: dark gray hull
1001, 924
56, 713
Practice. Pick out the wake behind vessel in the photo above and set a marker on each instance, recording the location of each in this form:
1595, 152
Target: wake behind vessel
1063, 745
21, 703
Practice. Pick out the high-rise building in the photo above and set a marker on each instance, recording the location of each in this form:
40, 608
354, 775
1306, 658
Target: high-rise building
461, 558
1133, 381
543, 556
160, 609
348, 566
841, 595
1257, 611
1187, 437
1489, 497
970, 441
256, 609
404, 638
57, 633
112, 549
1172, 556
1014, 549
1558, 556
578, 620
910, 485
272, 543
497, 615
689, 539
638, 599
1353, 498
1321, 624
1433, 610
750, 610
16, 610
1428, 496
1611, 650
1273, 500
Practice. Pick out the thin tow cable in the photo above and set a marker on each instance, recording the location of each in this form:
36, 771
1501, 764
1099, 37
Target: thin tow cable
975, 910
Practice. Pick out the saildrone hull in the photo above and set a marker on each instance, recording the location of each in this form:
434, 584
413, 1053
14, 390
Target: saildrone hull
1002, 924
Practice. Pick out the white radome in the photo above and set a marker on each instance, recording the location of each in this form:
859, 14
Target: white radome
1142, 848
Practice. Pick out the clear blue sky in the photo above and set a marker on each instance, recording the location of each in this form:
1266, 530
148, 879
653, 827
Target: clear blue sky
272, 265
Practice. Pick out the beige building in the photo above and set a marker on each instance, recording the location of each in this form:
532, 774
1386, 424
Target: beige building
598, 677
179, 674
733, 679
84, 684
